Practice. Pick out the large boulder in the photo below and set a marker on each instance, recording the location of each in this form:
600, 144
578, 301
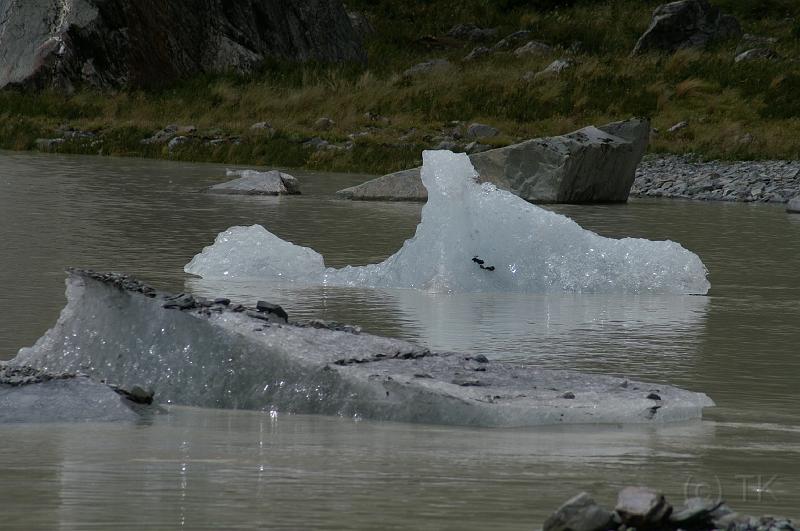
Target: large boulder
144, 43
251, 182
686, 24
591, 165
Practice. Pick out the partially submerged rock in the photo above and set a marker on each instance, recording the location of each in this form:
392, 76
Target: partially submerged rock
33, 395
212, 354
580, 513
594, 164
251, 182
794, 205
686, 24
118, 43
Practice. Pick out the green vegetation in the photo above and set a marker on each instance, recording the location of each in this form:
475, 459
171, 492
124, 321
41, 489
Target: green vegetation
736, 111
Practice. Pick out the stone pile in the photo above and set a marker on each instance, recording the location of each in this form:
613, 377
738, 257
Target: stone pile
684, 177
645, 509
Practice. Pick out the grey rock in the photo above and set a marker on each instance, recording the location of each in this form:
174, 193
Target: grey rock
750, 41
317, 144
471, 32
555, 68
686, 24
427, 67
48, 144
148, 43
476, 147
580, 513
478, 130
261, 126
324, 124
757, 54
589, 165
533, 48
250, 182
677, 127
446, 144
640, 506
477, 53
794, 205
695, 513
511, 40
178, 141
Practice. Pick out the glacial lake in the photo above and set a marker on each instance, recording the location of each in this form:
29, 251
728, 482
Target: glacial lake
216, 469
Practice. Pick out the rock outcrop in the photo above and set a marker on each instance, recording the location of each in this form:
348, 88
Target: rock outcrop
251, 182
145, 43
591, 165
686, 24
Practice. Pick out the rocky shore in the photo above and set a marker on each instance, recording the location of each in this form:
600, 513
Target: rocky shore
685, 177
645, 509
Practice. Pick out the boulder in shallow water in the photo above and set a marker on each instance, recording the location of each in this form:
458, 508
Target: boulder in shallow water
117, 43
580, 513
251, 182
794, 205
591, 165
686, 24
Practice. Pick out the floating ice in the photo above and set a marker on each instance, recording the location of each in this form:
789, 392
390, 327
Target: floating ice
472, 237
209, 355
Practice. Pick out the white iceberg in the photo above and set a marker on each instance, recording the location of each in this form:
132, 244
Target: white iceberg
472, 237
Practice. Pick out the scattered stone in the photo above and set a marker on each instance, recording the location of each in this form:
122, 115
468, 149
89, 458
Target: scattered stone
48, 145
640, 506
477, 53
478, 130
480, 358
695, 513
511, 40
757, 54
268, 307
555, 68
177, 142
251, 182
261, 126
580, 513
794, 205
569, 395
471, 32
446, 144
533, 48
427, 67
317, 144
750, 42
677, 127
686, 24
324, 124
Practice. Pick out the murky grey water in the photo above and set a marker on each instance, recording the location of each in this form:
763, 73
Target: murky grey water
224, 469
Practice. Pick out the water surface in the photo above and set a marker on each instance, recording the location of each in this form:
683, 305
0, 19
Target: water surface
224, 469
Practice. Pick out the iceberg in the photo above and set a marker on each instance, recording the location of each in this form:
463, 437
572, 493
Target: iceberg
198, 352
472, 238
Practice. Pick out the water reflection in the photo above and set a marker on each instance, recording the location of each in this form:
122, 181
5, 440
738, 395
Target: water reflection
622, 332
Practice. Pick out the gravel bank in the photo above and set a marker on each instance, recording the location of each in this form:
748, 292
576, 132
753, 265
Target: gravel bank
685, 177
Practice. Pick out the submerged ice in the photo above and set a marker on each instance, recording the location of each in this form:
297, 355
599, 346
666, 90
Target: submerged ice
472, 237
